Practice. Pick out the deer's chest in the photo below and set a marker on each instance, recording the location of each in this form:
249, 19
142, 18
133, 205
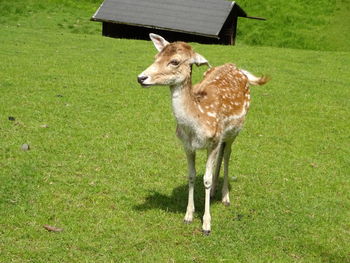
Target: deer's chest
189, 128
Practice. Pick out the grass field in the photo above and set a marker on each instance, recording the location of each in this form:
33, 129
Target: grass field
104, 163
315, 25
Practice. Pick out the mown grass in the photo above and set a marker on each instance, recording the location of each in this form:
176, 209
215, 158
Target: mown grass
105, 166
52, 15
109, 170
316, 25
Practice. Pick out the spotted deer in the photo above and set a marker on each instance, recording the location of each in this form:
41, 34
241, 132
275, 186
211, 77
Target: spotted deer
209, 114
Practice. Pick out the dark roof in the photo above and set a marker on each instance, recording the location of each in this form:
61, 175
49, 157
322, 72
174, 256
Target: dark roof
202, 17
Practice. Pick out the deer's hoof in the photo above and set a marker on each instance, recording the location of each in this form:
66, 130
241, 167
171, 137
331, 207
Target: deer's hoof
226, 203
206, 232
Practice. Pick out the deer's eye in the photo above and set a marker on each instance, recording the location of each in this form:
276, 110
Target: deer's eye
174, 62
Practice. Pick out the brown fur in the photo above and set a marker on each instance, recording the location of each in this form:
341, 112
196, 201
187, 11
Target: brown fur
224, 91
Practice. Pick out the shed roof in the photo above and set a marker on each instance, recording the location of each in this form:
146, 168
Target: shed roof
201, 17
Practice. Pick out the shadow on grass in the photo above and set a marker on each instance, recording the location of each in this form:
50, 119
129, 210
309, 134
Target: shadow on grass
177, 201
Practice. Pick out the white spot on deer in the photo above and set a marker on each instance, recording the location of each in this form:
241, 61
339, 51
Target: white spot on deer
200, 108
211, 114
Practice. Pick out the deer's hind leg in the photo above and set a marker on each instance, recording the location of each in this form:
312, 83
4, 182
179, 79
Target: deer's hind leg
225, 186
217, 169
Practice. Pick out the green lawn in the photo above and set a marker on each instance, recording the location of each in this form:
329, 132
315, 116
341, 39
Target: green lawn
315, 25
104, 163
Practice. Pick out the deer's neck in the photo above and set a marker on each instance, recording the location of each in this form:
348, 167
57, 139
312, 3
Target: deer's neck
183, 103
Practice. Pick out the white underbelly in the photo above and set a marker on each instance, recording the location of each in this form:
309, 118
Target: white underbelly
192, 139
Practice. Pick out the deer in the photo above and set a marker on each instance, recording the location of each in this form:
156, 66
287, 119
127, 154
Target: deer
209, 114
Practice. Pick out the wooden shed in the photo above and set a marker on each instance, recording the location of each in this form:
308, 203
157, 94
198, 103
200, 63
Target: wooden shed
203, 21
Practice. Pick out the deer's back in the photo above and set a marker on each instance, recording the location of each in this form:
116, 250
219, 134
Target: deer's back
223, 98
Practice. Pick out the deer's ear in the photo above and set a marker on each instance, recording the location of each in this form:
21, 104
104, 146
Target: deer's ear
158, 41
199, 60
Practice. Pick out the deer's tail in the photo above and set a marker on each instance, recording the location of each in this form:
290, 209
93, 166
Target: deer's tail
253, 80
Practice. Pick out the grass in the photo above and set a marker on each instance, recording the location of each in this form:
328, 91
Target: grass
315, 25
105, 166
52, 15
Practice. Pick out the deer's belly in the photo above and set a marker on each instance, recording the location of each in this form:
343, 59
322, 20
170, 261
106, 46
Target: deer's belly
193, 139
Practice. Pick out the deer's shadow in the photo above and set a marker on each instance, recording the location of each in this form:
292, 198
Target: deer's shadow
177, 201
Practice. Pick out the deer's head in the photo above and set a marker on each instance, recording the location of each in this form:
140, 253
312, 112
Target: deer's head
172, 65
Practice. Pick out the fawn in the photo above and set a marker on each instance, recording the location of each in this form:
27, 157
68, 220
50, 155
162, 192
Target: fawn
209, 114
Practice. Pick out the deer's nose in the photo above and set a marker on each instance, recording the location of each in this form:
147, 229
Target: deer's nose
141, 79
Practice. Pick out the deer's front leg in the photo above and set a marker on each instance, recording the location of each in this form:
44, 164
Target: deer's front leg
191, 160
208, 179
